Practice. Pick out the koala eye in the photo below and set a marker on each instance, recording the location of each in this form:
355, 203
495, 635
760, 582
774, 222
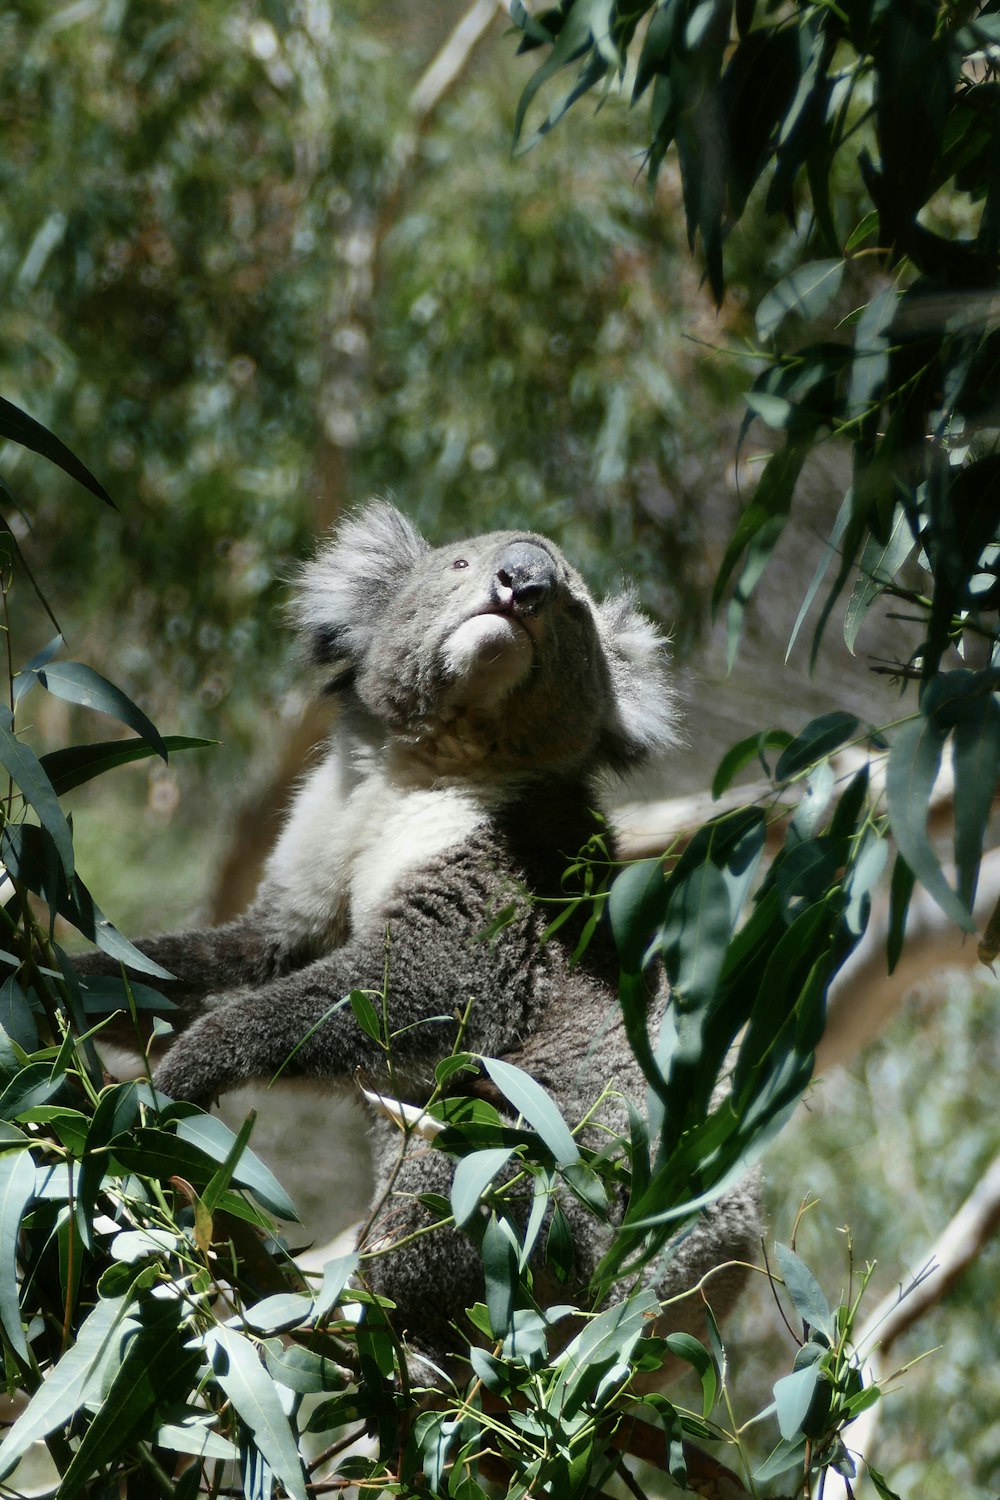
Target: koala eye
460, 562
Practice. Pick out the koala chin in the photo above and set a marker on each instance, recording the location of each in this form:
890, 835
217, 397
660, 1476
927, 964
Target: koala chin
484, 697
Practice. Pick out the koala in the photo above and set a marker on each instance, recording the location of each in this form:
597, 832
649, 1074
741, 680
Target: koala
485, 697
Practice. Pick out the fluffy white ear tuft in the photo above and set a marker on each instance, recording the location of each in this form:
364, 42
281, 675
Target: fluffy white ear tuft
349, 582
643, 718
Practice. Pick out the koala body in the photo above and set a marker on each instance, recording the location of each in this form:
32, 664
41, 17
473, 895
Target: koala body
484, 696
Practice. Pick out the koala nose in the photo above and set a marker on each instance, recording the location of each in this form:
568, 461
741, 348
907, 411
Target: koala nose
524, 578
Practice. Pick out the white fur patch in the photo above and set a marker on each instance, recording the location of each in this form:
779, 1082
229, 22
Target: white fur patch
487, 656
352, 837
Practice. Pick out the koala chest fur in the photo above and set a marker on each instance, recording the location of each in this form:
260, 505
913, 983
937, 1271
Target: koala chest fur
356, 833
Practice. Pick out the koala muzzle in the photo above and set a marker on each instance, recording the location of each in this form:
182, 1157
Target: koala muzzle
524, 578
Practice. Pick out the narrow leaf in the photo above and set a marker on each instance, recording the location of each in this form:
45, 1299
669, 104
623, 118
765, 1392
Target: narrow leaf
473, 1176
22, 765
20, 428
17, 1185
75, 682
540, 1111
256, 1400
914, 761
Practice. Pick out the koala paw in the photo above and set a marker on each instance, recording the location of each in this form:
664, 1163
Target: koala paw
197, 1068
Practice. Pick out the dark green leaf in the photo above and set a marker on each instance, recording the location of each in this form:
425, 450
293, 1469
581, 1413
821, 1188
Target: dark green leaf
879, 564
900, 892
821, 737
805, 1292
976, 759
741, 754
157, 1371
17, 1186
22, 765
71, 1383
500, 1273
807, 292
215, 1138
20, 428
78, 683
78, 764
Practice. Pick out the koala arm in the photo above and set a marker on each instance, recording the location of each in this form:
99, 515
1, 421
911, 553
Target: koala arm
436, 961
202, 963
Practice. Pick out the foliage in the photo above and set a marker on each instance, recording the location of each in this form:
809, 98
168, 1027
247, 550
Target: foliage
887, 342
214, 1350
151, 1311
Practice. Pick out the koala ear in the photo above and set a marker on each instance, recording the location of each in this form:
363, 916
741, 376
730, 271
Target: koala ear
342, 592
643, 704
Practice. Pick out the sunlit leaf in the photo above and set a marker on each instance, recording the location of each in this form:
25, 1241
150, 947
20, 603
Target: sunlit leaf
17, 1186
252, 1392
473, 1176
537, 1107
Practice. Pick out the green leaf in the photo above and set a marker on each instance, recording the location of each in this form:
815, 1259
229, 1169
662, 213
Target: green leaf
303, 1370
70, 1383
884, 1490
20, 428
914, 760
741, 754
805, 1292
279, 1312
540, 1111
878, 566
31, 857
195, 1434
473, 1176
77, 683
789, 1453
870, 365
807, 292
336, 1274
256, 1401
215, 1138
24, 679
22, 765
635, 908
500, 1273
866, 226
78, 764
17, 1186
366, 1015
156, 1371
793, 1395
685, 1346
820, 737
976, 760
900, 892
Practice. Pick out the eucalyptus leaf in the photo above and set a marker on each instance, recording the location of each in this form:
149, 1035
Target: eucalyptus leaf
473, 1176
71, 1383
254, 1397
912, 770
77, 683
17, 1187
537, 1107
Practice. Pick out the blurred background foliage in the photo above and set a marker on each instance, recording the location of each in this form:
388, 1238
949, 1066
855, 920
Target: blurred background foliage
250, 287
230, 273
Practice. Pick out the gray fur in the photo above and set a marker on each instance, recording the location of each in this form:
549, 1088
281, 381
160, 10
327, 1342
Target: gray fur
485, 695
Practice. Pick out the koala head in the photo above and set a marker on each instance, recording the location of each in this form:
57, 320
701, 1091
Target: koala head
489, 653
